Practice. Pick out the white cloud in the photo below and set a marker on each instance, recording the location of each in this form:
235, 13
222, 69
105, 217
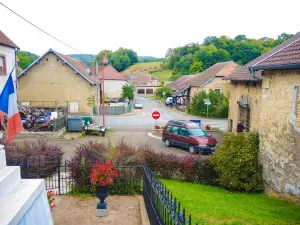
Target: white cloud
148, 27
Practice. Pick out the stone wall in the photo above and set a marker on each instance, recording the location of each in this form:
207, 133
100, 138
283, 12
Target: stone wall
279, 138
238, 91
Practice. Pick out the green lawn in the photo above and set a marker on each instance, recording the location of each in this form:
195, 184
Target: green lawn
163, 75
213, 205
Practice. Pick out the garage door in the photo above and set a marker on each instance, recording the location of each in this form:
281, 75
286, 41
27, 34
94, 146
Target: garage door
141, 91
149, 91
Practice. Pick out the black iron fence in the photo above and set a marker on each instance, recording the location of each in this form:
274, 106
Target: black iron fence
60, 176
162, 207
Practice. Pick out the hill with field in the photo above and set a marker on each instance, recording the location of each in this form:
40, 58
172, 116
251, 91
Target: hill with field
153, 68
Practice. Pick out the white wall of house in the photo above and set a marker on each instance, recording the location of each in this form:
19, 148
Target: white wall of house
113, 88
9, 54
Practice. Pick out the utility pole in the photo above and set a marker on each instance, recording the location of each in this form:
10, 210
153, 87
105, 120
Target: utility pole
104, 61
97, 87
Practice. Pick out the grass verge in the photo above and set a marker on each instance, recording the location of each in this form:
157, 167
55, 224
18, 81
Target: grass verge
213, 205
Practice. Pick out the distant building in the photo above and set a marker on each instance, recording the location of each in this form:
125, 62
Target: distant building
144, 83
8, 59
265, 96
186, 87
113, 80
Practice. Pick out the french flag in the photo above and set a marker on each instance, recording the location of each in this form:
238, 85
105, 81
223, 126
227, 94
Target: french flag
8, 105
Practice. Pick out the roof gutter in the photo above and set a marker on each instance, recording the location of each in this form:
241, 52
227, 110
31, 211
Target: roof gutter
252, 72
275, 67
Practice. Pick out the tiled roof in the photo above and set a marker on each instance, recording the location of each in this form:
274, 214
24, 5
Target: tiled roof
223, 69
4, 40
75, 64
110, 73
243, 74
284, 57
181, 82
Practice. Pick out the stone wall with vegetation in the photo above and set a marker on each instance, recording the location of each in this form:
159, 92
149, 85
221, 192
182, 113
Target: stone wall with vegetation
238, 91
280, 147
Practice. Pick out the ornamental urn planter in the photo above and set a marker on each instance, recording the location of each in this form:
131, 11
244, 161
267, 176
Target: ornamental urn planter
101, 193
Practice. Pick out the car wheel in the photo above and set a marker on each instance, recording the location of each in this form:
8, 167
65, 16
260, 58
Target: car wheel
192, 149
167, 143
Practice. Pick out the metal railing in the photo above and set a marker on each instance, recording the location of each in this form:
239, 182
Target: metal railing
162, 207
60, 123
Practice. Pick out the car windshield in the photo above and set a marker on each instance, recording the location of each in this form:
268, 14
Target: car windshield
198, 132
138, 103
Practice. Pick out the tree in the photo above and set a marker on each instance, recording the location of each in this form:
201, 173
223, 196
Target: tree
196, 67
128, 91
26, 58
24, 62
240, 38
166, 89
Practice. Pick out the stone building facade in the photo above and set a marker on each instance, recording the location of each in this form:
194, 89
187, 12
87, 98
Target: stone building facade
271, 86
279, 135
244, 105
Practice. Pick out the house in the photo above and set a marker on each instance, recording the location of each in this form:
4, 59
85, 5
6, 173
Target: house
8, 62
144, 83
186, 87
264, 94
54, 79
113, 80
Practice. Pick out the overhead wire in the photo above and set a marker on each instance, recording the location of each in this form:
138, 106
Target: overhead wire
40, 29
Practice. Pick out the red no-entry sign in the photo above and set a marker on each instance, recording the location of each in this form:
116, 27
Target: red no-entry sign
156, 115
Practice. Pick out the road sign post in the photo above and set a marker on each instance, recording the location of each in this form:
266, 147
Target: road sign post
155, 116
207, 103
91, 103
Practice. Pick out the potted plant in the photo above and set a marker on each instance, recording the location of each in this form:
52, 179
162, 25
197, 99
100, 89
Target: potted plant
102, 177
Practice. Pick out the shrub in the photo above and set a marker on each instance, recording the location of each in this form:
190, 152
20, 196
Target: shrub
28, 149
236, 161
41, 157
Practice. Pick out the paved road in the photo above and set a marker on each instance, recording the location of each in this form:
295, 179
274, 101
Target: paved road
143, 117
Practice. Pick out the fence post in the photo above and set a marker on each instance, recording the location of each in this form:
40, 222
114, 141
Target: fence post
58, 174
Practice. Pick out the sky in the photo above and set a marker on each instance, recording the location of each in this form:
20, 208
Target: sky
149, 27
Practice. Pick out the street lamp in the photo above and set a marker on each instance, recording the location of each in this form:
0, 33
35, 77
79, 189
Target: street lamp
104, 61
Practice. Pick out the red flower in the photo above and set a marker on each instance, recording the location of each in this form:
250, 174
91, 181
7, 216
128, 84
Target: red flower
103, 173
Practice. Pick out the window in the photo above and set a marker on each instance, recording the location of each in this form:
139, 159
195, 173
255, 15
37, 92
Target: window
2, 64
74, 107
217, 91
169, 128
199, 132
175, 130
184, 132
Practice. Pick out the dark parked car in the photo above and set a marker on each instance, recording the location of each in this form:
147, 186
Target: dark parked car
115, 100
122, 100
188, 135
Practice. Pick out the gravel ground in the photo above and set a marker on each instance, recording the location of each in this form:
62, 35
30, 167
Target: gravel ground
123, 210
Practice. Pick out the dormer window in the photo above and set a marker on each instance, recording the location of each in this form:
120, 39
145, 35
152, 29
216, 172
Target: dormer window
2, 64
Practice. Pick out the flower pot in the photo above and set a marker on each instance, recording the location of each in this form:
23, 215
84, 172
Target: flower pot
101, 193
